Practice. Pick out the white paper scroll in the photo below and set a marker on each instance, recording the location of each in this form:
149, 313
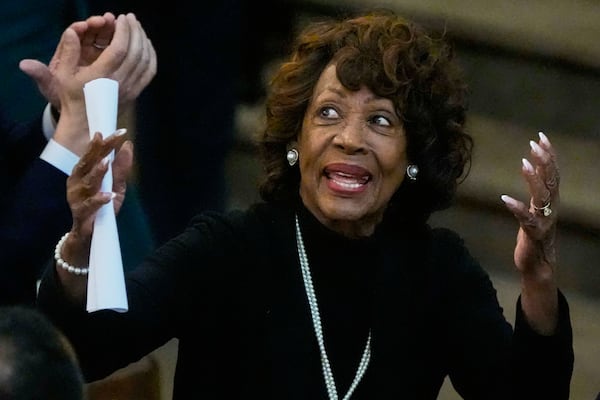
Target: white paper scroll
106, 282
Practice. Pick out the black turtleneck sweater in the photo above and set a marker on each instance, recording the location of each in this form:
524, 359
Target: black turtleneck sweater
343, 276
230, 289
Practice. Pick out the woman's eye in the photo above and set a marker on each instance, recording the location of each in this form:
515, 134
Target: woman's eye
329, 113
380, 120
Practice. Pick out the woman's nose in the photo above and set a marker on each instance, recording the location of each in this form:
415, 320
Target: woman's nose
351, 137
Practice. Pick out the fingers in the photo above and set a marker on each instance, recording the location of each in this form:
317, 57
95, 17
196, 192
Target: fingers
121, 167
540, 195
97, 151
128, 58
139, 66
61, 68
538, 215
36, 70
68, 51
124, 74
535, 250
104, 28
80, 27
149, 68
146, 69
110, 17
84, 186
95, 29
520, 210
112, 57
543, 175
84, 183
551, 170
100, 22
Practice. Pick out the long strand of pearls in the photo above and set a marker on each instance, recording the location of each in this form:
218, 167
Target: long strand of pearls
316, 318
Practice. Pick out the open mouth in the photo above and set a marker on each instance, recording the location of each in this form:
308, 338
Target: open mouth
347, 177
348, 181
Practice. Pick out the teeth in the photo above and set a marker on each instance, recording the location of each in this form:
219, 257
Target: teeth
348, 181
348, 185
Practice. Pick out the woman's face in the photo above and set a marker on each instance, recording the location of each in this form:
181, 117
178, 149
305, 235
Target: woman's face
352, 150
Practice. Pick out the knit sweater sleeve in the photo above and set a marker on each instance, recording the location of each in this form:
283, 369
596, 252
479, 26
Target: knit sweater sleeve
543, 364
487, 357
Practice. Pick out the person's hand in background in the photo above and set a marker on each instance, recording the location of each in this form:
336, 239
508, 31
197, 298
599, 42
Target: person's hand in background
100, 47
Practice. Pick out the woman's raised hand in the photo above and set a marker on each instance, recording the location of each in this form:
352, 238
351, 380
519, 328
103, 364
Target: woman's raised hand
535, 250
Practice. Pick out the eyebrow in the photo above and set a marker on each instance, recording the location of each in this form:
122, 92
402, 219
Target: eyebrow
339, 90
343, 93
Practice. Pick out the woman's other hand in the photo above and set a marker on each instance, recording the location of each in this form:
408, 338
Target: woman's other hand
535, 251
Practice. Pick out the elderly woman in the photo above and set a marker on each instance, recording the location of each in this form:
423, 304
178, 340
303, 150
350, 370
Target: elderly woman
334, 286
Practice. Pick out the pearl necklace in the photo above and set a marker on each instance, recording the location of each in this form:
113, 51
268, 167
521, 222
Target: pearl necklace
314, 310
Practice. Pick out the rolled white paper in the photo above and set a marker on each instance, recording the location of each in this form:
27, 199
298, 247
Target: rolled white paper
106, 281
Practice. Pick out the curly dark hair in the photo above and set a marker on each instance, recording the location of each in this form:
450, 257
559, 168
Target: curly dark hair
396, 59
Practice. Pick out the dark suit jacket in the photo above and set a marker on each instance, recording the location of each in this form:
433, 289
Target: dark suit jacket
34, 213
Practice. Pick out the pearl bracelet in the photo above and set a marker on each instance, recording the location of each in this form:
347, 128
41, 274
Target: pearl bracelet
62, 263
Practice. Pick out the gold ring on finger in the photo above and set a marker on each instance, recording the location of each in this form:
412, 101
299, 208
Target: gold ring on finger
545, 210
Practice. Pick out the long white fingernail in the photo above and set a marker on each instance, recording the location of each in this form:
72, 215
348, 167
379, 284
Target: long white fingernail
544, 138
527, 166
535, 147
120, 132
507, 200
109, 195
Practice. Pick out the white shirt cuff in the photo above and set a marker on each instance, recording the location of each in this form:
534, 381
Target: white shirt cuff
59, 156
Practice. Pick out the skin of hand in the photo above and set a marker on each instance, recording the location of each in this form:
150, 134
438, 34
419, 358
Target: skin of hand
96, 28
85, 199
535, 250
129, 59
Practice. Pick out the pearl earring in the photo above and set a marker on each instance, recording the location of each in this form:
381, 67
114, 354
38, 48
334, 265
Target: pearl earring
292, 157
412, 171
